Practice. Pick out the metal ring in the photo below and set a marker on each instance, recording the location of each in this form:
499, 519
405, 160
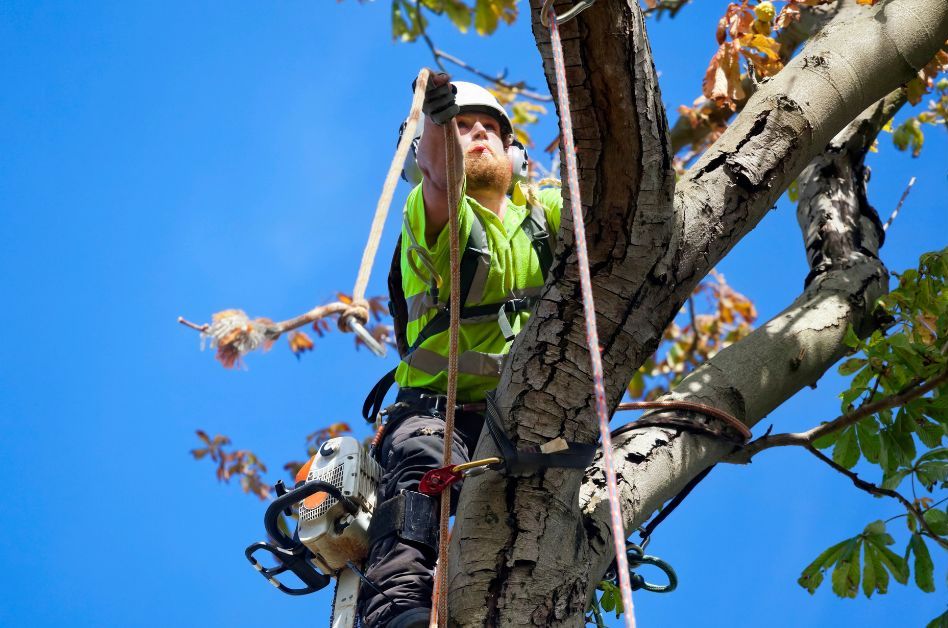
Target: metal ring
577, 8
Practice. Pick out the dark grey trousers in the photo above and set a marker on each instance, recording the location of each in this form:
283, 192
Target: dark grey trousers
413, 444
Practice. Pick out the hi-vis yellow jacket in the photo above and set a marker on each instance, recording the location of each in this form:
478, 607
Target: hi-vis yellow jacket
506, 262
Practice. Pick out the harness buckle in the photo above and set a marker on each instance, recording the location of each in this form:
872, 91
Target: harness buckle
437, 403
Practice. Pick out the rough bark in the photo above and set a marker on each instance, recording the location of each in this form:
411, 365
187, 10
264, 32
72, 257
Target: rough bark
521, 551
842, 235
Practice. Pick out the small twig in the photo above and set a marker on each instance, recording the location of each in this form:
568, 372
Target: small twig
424, 35
895, 213
522, 88
318, 312
672, 6
694, 324
804, 439
276, 329
871, 488
201, 328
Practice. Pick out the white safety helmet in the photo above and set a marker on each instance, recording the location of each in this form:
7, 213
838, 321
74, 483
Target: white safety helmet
472, 97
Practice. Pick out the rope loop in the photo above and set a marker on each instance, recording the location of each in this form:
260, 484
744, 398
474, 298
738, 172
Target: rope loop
575, 10
358, 310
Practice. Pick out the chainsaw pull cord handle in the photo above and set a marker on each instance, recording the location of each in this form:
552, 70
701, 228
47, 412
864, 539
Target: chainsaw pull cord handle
271, 517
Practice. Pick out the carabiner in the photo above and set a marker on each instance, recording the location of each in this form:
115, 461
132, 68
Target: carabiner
435, 481
637, 557
576, 9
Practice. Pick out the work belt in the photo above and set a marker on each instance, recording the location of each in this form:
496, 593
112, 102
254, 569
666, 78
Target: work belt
417, 398
434, 402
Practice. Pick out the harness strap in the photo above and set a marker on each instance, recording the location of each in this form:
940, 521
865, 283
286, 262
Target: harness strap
524, 461
376, 397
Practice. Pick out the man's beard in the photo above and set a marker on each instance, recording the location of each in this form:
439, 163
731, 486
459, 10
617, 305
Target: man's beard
487, 172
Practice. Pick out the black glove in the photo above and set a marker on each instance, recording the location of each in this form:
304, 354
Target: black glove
439, 104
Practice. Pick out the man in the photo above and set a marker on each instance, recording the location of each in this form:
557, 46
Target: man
506, 254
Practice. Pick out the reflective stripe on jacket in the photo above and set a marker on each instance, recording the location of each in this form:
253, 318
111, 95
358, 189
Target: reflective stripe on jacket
507, 268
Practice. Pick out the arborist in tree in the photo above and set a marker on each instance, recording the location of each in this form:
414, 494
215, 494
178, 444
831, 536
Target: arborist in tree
507, 229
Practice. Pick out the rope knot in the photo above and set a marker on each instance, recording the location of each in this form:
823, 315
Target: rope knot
358, 310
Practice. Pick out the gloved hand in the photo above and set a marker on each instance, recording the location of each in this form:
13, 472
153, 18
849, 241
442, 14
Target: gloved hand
439, 104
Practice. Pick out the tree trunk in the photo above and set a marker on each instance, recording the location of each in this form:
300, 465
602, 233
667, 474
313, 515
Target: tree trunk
522, 550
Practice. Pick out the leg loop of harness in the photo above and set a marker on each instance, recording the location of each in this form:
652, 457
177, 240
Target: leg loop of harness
411, 516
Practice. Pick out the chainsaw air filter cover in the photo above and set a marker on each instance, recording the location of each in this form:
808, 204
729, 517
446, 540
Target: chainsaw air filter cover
325, 527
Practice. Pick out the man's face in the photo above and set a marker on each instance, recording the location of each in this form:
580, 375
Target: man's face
485, 156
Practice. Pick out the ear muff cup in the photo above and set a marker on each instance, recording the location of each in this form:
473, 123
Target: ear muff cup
516, 153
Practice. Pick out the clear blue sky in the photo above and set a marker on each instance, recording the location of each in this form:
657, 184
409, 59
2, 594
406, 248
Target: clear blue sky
180, 158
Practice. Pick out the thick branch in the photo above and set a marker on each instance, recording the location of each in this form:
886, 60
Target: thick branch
860, 57
842, 234
683, 133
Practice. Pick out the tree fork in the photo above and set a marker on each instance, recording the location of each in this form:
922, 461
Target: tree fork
517, 553
842, 234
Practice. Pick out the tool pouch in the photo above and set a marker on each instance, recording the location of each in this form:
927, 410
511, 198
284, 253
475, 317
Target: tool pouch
410, 516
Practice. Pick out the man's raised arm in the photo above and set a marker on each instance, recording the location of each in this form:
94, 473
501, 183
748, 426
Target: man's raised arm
439, 109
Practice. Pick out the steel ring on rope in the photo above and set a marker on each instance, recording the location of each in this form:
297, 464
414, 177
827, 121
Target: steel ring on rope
576, 9
636, 558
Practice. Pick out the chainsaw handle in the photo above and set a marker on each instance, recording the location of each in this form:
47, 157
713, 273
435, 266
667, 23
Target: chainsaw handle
290, 560
272, 516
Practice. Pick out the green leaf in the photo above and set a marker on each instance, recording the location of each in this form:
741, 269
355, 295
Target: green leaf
924, 567
892, 481
793, 191
850, 339
868, 571
939, 622
931, 473
459, 14
850, 395
846, 452
846, 573
608, 600
852, 365
827, 440
930, 434
895, 563
937, 520
812, 575
935, 454
881, 575
869, 441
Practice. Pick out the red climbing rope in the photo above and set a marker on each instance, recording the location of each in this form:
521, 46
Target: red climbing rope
592, 335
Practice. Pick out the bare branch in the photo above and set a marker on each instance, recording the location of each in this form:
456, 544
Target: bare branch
520, 87
805, 439
871, 488
895, 212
